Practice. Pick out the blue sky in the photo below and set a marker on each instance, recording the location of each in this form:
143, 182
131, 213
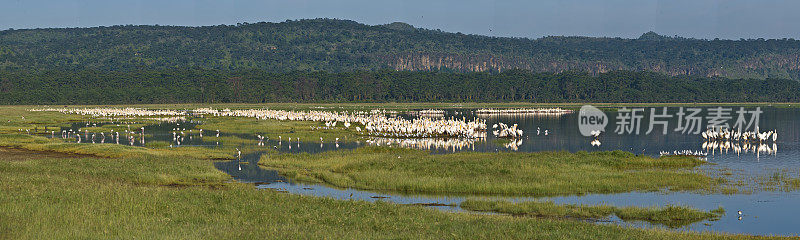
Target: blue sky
729, 19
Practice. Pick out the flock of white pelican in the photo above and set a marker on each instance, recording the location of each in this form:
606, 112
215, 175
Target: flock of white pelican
113, 112
523, 111
433, 113
381, 125
383, 112
100, 137
735, 135
420, 133
179, 134
724, 140
690, 153
501, 130
757, 148
166, 119
374, 124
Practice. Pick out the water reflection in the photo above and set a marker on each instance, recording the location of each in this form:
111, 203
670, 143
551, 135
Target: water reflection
513, 144
738, 148
246, 169
433, 144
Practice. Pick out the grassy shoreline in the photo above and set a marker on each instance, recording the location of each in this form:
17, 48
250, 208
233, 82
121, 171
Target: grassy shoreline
528, 174
672, 216
158, 196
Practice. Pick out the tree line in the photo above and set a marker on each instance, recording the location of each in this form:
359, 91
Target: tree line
197, 85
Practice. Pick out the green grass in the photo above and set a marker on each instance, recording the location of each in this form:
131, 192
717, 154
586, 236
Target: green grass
13, 118
673, 216
153, 196
534, 174
39, 143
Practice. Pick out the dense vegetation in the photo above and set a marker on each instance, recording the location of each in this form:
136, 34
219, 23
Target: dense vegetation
257, 86
344, 46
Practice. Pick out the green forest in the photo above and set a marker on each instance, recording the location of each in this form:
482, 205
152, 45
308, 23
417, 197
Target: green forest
256, 86
343, 46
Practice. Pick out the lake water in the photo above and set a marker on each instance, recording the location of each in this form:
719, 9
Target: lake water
765, 212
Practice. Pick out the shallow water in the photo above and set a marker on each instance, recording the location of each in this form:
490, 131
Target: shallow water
190, 137
765, 212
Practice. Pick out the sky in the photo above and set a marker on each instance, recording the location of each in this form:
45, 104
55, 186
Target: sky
708, 19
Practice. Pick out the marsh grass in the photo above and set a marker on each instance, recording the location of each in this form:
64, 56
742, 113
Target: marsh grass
672, 216
532, 174
740, 181
781, 180
38, 143
136, 198
13, 118
154, 196
15, 154
158, 144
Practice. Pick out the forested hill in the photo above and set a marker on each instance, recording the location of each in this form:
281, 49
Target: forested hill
345, 46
